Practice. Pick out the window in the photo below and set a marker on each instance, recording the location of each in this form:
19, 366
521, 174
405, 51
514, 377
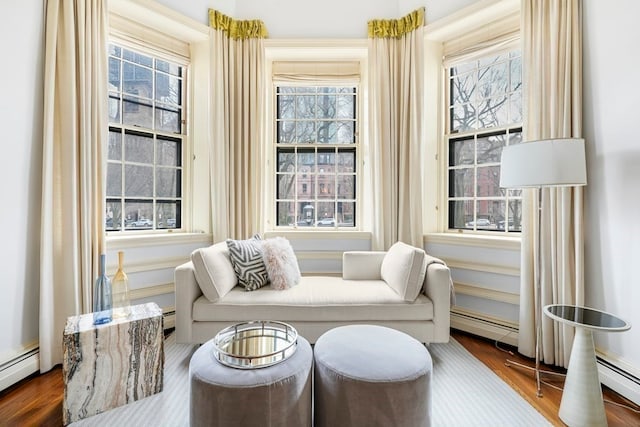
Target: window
316, 155
484, 115
146, 141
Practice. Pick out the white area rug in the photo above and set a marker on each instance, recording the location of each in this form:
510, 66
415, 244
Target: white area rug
465, 393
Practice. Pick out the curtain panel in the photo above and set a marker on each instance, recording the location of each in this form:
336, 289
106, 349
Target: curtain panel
552, 50
73, 185
237, 146
396, 86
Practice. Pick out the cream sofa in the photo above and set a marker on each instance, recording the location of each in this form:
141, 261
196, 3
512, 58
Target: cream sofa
404, 289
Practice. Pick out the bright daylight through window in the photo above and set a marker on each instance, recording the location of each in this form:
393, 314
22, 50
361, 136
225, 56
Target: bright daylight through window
146, 139
485, 115
316, 156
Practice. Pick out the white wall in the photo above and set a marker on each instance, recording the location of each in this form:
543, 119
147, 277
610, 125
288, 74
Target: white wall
21, 44
313, 18
611, 61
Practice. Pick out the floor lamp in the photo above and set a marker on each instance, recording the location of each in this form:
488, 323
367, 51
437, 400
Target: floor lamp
540, 164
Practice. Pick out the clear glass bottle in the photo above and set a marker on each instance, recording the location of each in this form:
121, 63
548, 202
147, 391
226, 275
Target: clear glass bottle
102, 308
120, 284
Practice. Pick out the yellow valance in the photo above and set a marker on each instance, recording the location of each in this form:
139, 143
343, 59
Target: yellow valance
252, 29
396, 28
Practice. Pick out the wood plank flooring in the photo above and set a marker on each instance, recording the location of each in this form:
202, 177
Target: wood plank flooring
37, 400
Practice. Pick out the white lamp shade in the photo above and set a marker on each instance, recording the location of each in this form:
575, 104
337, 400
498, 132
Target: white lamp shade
544, 163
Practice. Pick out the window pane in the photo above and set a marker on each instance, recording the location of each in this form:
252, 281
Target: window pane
138, 148
286, 107
493, 112
137, 80
166, 213
346, 214
326, 186
463, 88
306, 161
306, 185
113, 217
463, 118
346, 161
493, 80
305, 132
114, 180
306, 107
488, 181
515, 215
516, 73
114, 74
286, 186
167, 182
168, 89
168, 67
286, 132
285, 213
325, 214
461, 182
114, 150
326, 90
115, 50
168, 151
138, 214
461, 152
346, 186
515, 107
286, 160
326, 106
490, 148
345, 132
138, 58
168, 119
489, 214
114, 108
346, 107
137, 112
327, 132
460, 212
138, 181
306, 213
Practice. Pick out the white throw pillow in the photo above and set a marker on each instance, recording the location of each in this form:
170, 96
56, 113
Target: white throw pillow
214, 271
403, 268
281, 263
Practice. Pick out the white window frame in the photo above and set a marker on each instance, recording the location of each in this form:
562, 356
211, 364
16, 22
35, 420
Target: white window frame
322, 51
474, 25
156, 53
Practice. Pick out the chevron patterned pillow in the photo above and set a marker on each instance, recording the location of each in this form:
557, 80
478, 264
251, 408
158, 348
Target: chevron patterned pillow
246, 258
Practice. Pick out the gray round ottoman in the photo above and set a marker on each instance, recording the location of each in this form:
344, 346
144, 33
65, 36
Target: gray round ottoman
369, 375
278, 395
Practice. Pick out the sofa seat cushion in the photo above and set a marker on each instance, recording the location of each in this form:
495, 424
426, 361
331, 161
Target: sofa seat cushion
316, 298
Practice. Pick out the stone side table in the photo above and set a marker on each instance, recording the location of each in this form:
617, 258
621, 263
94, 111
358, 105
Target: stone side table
110, 365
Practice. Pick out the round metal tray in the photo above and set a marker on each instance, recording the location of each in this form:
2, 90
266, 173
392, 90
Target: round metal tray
255, 344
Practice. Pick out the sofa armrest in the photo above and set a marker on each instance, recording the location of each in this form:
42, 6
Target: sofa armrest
362, 265
437, 286
187, 291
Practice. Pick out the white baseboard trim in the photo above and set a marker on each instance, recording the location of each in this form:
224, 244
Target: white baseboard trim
619, 380
19, 368
484, 326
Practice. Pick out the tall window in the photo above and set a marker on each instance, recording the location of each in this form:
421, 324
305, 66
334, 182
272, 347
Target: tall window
316, 154
146, 141
485, 115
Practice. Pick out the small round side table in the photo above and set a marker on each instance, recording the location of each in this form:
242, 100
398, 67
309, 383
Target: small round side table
582, 403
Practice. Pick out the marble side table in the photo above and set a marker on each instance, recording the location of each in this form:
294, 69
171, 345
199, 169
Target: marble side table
110, 365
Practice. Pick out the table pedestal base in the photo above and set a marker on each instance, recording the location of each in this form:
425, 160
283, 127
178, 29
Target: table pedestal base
582, 403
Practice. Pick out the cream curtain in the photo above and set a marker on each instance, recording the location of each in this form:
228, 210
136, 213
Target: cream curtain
74, 135
552, 43
396, 81
237, 150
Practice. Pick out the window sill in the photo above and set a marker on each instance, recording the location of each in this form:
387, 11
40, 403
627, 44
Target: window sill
125, 240
474, 239
319, 234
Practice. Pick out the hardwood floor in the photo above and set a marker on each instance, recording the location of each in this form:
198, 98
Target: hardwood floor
523, 381
37, 400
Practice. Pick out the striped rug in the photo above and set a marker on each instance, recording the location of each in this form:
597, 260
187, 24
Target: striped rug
465, 393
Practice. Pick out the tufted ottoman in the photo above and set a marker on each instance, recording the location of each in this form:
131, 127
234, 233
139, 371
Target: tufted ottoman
278, 395
369, 375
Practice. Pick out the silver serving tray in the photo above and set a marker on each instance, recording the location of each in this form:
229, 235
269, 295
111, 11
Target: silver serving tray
255, 344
